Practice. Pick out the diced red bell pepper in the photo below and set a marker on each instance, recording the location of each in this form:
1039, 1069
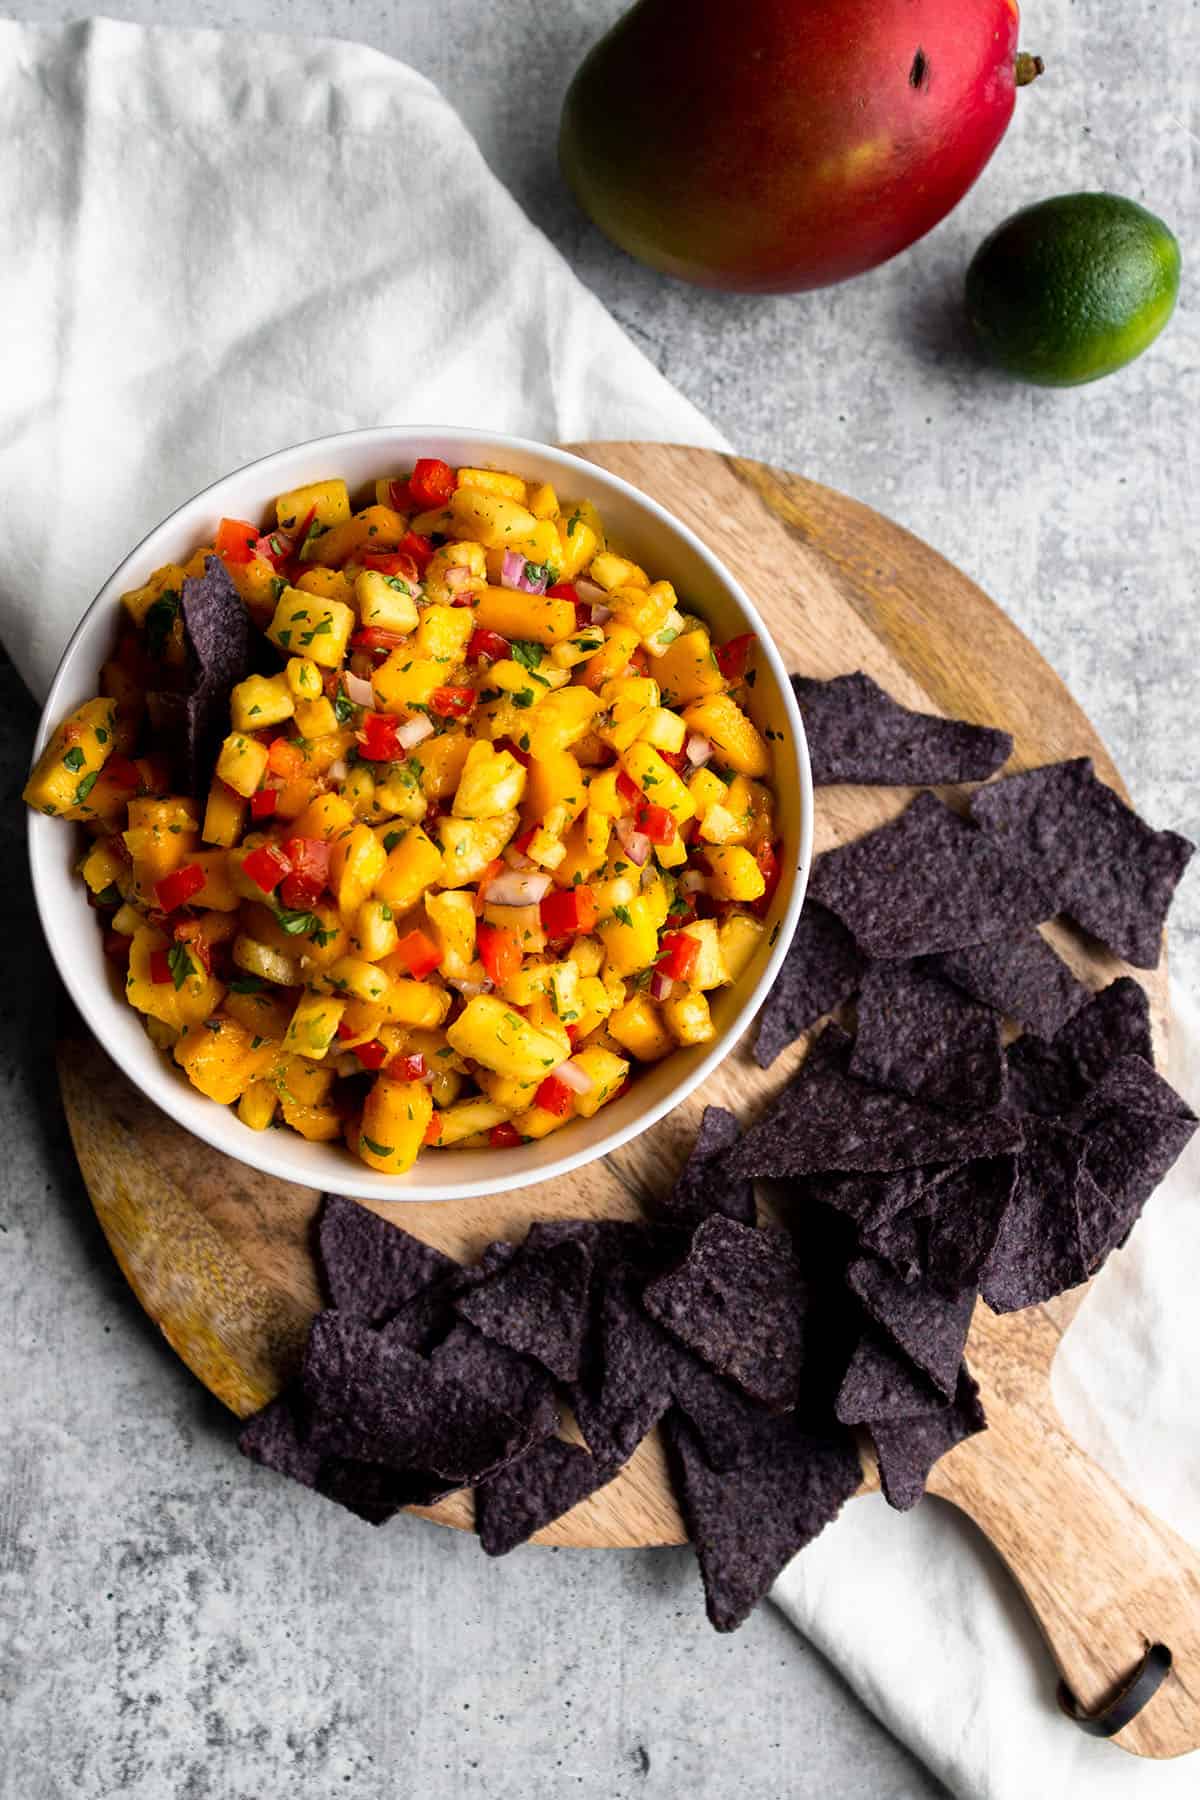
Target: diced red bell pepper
514, 749
266, 866
674, 759
263, 803
481, 886
308, 859
733, 656
568, 911
389, 562
680, 954
274, 547
768, 859
344, 1030
499, 951
523, 844
377, 740
639, 662
160, 968
554, 1096
452, 702
419, 954
433, 1131
657, 824
124, 771
191, 933
564, 590
487, 644
285, 759
432, 482
399, 498
235, 540
419, 548
374, 637
629, 790
504, 1137
177, 888
407, 1068
371, 1055
572, 1035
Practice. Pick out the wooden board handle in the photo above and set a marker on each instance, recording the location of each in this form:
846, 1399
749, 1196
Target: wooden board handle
1106, 1580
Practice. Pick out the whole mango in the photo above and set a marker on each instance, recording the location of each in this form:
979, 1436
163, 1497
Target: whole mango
787, 144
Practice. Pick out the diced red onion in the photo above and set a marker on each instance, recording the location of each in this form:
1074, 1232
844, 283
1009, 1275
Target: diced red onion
635, 843
591, 592
600, 614
661, 986
457, 578
513, 888
468, 989
414, 731
338, 770
516, 859
697, 750
358, 691
693, 882
512, 574
572, 1076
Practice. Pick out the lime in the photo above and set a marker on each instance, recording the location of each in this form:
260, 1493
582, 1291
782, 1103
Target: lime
1070, 289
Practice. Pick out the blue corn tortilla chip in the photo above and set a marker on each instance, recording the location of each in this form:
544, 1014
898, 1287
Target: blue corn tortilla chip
965, 1215
823, 967
739, 1301
1103, 1223
907, 1449
1050, 1078
825, 1121
538, 1305
1039, 1251
634, 1374
377, 1402
880, 1383
533, 1491
857, 733
1021, 977
930, 1328
928, 882
747, 1523
900, 1241
920, 1036
1104, 866
276, 1438
729, 1425
867, 1200
371, 1266
701, 1188
1134, 1128
217, 628
509, 1380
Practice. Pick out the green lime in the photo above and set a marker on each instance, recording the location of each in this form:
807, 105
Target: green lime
1072, 288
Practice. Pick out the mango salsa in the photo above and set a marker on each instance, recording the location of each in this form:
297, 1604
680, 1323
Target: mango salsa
469, 849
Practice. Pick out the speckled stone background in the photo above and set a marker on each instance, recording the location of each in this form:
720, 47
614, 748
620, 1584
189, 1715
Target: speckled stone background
176, 1623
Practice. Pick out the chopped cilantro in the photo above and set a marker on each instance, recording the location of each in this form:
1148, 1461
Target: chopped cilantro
159, 619
296, 924
109, 896
377, 1149
391, 840
343, 709
623, 913
528, 654
85, 787
73, 760
523, 699
246, 984
101, 735
180, 964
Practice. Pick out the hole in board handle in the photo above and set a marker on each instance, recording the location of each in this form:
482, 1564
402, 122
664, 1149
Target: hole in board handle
1129, 1700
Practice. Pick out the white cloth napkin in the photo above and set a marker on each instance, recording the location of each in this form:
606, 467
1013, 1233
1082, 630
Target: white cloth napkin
216, 245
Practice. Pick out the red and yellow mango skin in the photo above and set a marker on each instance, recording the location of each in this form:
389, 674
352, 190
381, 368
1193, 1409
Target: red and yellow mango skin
780, 145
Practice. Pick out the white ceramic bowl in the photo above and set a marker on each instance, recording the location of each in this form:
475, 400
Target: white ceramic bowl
638, 526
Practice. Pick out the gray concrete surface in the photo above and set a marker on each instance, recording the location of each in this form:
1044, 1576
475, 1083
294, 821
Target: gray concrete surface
174, 1623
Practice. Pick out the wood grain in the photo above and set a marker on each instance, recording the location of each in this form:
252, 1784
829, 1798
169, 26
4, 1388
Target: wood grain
219, 1255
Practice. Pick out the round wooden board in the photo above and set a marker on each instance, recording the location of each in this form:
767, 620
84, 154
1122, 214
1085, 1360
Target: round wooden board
219, 1255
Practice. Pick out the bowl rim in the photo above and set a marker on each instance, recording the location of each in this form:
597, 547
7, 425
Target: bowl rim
156, 1081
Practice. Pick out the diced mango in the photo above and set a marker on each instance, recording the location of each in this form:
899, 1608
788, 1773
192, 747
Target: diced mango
224, 815
687, 1018
469, 845
256, 1108
688, 670
492, 782
221, 1058
330, 584
709, 970
261, 700
68, 768
606, 1073
267, 963
413, 865
738, 937
664, 729
328, 816
529, 618
737, 742
493, 1034
386, 602
444, 633
309, 625
612, 661
313, 1025
452, 916
610, 571
735, 874
374, 934
560, 720
493, 481
637, 1027
406, 680
630, 937
658, 781
196, 997
541, 499
644, 610
468, 1117
328, 501
492, 520
394, 1120
242, 763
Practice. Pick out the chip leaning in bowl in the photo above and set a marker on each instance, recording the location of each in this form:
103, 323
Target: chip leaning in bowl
486, 825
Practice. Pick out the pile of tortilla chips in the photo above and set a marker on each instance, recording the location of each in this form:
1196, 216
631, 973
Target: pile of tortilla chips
913, 1165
